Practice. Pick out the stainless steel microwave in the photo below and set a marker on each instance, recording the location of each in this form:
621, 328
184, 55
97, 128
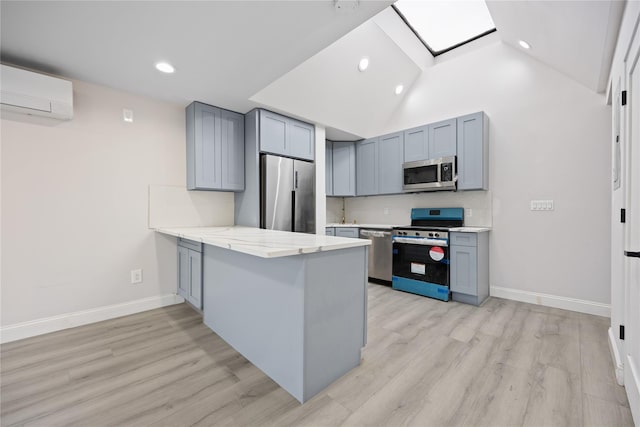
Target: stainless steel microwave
430, 175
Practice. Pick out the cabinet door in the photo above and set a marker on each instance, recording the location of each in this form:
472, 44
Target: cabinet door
301, 140
464, 269
184, 272
416, 144
195, 285
347, 232
232, 151
442, 139
367, 167
390, 155
344, 169
328, 170
207, 147
472, 152
273, 133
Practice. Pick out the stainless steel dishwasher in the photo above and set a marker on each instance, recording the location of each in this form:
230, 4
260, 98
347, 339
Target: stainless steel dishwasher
380, 253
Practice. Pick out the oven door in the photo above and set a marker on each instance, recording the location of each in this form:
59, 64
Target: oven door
421, 266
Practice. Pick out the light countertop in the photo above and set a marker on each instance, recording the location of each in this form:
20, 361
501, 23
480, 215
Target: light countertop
263, 243
380, 226
390, 226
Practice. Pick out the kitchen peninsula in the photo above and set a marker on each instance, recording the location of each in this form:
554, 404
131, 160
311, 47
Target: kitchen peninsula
295, 305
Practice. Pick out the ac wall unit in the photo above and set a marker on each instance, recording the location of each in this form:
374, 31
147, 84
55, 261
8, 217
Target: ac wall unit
26, 92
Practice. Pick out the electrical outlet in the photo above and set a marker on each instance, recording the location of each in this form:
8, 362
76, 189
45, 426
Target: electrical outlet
541, 205
468, 213
386, 211
136, 276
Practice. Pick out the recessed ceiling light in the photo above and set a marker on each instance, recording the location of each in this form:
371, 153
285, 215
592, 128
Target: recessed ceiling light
165, 67
399, 89
524, 44
363, 64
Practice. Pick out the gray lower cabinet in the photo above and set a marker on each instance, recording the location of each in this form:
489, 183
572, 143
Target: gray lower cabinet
473, 152
328, 171
353, 232
330, 231
286, 136
469, 257
190, 271
344, 169
215, 148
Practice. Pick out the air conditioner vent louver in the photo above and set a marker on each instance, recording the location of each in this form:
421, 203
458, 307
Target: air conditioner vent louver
36, 94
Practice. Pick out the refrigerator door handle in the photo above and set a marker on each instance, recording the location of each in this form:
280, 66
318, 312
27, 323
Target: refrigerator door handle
295, 180
631, 254
293, 208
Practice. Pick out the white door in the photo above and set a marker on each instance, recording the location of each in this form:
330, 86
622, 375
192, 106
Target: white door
632, 235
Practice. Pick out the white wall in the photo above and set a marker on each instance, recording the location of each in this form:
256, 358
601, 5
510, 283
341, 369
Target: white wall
549, 139
75, 205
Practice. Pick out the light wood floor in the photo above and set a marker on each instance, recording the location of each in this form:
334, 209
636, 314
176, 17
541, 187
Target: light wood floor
427, 363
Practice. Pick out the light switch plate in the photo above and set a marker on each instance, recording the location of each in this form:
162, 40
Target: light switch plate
541, 205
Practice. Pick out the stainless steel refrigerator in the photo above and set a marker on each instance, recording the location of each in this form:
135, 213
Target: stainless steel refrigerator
287, 195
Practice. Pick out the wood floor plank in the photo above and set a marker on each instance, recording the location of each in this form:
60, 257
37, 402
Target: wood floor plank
427, 362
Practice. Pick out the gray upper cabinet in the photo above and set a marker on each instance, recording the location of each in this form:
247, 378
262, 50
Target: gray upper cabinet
286, 136
442, 139
473, 152
344, 169
390, 156
328, 163
416, 144
367, 167
232, 150
215, 148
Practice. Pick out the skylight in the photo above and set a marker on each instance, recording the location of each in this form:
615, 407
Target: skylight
445, 25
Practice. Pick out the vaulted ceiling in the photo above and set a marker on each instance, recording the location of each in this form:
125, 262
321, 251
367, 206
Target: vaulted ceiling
297, 57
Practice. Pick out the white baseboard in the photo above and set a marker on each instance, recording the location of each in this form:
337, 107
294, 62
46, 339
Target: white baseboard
632, 387
32, 328
555, 301
615, 356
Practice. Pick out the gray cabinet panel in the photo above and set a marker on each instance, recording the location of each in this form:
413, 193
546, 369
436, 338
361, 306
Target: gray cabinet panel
442, 139
330, 231
464, 269
390, 155
328, 170
366, 167
195, 283
469, 255
472, 145
352, 232
184, 272
215, 148
344, 169
273, 132
416, 144
286, 136
208, 145
301, 140
232, 151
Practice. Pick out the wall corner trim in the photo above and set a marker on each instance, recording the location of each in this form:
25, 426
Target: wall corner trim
615, 356
45, 325
555, 301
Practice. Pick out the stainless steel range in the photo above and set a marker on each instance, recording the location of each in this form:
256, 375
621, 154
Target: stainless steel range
421, 252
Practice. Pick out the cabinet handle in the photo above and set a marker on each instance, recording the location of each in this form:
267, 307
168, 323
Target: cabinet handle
632, 254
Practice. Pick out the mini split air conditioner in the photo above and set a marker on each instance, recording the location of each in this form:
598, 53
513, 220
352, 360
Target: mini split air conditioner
35, 94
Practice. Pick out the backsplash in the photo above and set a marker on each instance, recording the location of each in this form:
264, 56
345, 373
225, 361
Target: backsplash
396, 209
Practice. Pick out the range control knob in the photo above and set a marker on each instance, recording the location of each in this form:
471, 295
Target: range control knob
417, 234
431, 234
437, 234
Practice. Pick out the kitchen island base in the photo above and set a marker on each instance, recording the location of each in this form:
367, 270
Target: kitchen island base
300, 319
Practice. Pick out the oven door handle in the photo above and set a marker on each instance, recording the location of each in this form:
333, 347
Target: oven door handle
421, 241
